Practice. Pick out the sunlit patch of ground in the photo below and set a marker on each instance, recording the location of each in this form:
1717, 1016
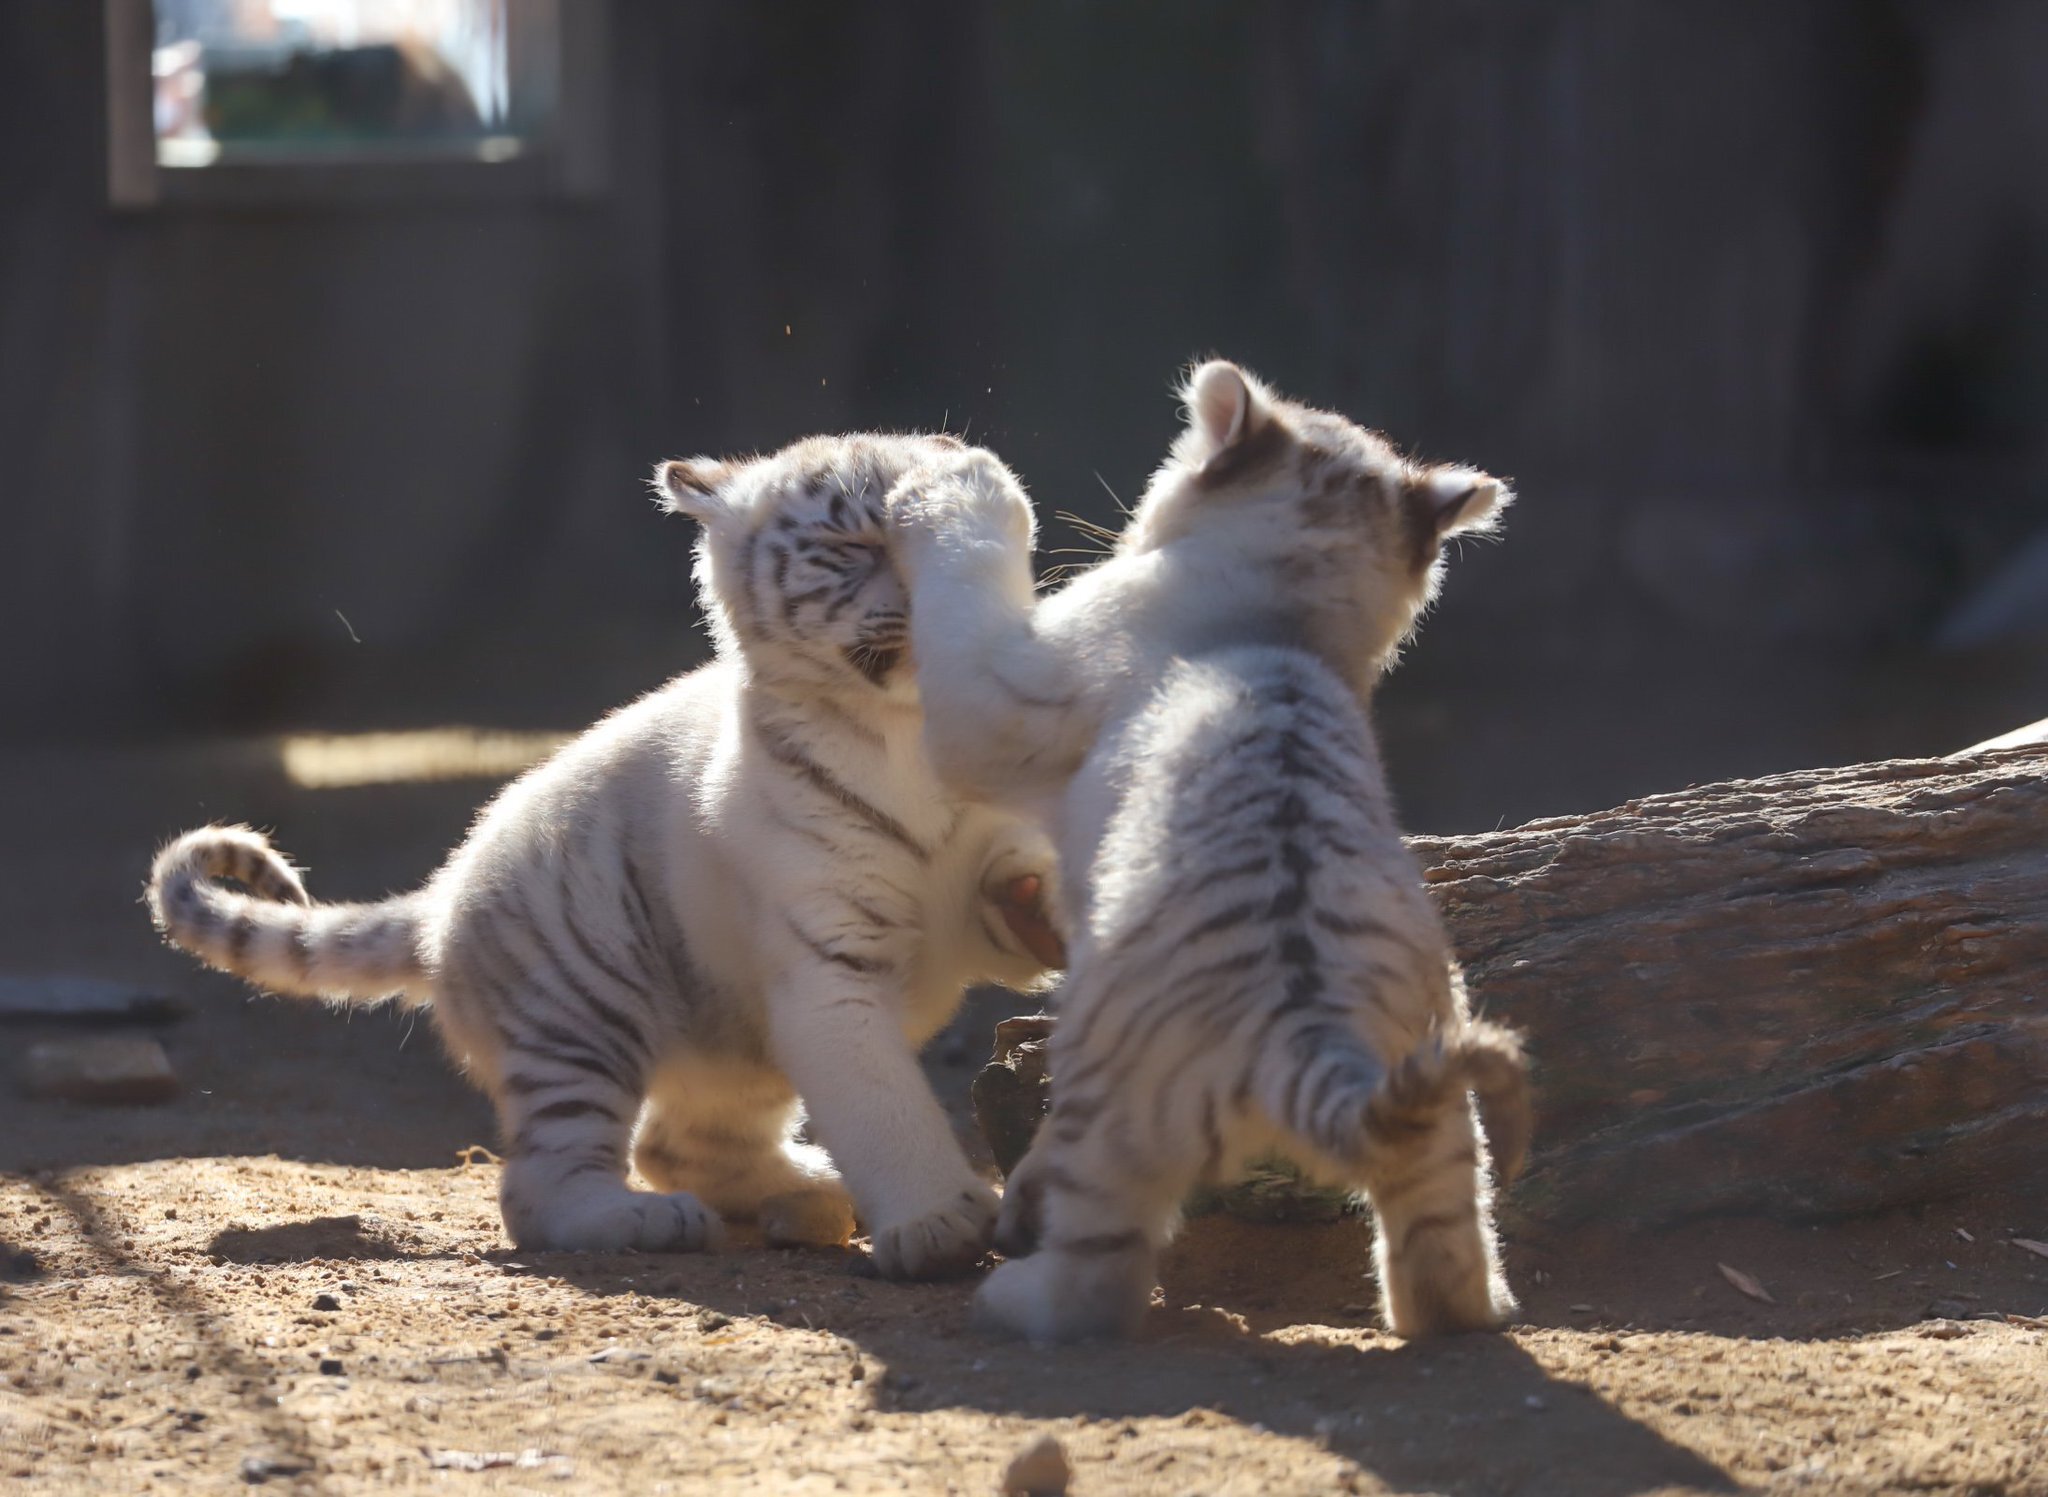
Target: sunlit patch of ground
335, 761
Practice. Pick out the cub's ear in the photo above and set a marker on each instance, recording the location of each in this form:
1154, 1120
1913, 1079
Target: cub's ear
694, 486
1226, 407
1446, 501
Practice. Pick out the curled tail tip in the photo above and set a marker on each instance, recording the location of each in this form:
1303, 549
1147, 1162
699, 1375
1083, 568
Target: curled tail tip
235, 852
1496, 1068
1479, 1057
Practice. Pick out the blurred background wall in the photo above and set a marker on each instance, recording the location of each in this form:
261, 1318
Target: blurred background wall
1751, 299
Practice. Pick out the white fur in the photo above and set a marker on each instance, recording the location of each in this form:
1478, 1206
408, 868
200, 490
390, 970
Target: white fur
1188, 720
743, 890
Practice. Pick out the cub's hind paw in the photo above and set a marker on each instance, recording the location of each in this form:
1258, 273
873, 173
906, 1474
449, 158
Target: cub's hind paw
939, 1244
817, 1216
1053, 1297
632, 1219
678, 1223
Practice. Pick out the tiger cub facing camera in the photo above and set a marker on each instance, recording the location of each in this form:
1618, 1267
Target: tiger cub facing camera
1254, 965
740, 899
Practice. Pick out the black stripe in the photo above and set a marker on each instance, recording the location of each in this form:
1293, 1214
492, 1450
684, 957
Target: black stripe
1347, 925
848, 591
1334, 1073
568, 1049
1139, 1025
590, 1158
866, 966
569, 1107
582, 942
786, 753
623, 1071
809, 834
632, 1032
791, 602
1226, 919
1212, 1138
240, 933
779, 574
1242, 962
848, 723
747, 582
640, 910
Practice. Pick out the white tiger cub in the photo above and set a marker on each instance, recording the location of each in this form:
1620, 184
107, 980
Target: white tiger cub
744, 889
1254, 964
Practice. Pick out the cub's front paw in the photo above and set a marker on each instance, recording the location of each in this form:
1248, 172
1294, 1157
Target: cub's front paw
967, 498
942, 1243
814, 1216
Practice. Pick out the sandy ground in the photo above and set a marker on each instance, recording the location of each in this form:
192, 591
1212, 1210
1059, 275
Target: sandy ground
287, 1278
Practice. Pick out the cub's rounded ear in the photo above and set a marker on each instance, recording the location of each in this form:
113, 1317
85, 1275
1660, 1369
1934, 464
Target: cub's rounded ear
1450, 500
1225, 407
693, 486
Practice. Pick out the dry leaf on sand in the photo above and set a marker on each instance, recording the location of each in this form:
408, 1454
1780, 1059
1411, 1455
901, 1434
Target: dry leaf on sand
1745, 1283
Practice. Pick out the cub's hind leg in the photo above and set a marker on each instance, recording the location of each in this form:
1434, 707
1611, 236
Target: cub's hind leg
724, 1133
1084, 1218
569, 1062
1439, 1266
567, 1113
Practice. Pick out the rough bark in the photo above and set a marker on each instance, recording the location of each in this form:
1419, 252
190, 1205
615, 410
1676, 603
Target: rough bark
1812, 994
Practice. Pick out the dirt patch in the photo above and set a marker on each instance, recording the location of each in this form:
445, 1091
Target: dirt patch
339, 1328
284, 1279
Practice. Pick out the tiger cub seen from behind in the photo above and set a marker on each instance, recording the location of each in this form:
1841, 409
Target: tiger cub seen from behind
744, 889
1254, 964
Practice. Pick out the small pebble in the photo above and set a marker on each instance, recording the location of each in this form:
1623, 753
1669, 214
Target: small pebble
330, 1367
326, 1302
260, 1468
1041, 1471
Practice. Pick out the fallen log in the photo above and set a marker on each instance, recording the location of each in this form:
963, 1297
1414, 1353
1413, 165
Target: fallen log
1810, 995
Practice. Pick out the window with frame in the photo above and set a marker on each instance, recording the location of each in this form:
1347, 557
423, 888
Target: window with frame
269, 99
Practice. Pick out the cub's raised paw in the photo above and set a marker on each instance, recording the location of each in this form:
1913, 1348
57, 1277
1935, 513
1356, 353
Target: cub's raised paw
817, 1216
970, 495
941, 1243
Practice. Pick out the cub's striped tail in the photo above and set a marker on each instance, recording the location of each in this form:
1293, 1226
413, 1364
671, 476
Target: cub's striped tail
1362, 1108
273, 934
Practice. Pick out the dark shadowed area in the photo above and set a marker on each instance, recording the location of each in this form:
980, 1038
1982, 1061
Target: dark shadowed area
1747, 299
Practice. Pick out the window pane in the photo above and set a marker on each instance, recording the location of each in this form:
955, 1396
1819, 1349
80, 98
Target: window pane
308, 80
